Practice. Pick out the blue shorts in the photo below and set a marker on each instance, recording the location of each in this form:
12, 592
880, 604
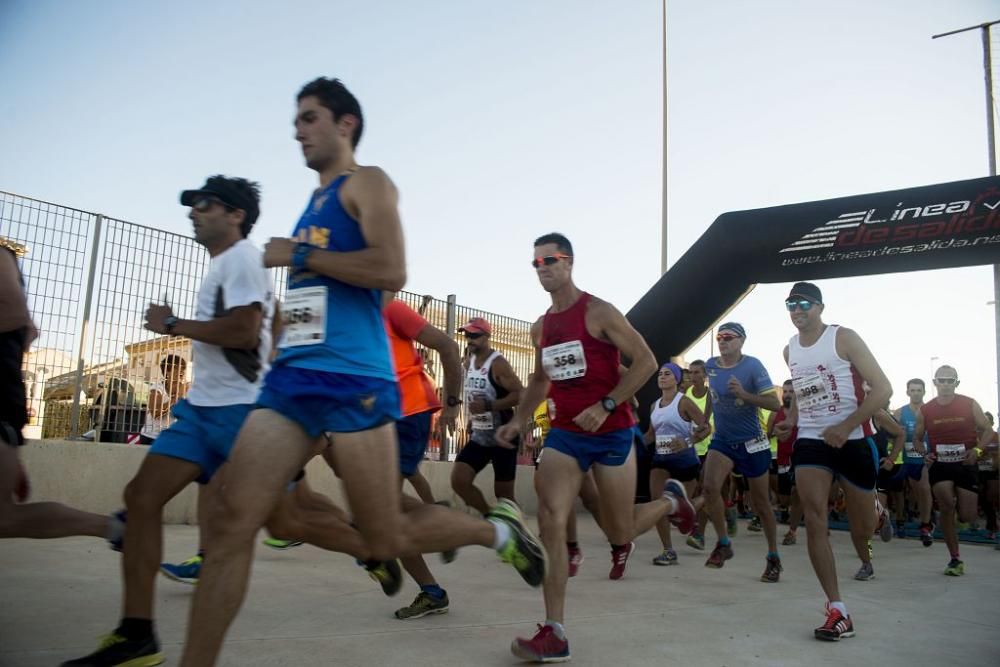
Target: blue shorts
322, 402
607, 449
748, 465
202, 435
913, 470
413, 431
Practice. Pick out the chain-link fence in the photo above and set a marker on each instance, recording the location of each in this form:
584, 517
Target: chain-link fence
89, 280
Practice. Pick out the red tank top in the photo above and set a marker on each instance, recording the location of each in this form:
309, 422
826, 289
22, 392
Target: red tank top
582, 369
951, 424
785, 447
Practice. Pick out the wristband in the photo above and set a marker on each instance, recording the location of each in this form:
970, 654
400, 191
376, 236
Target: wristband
301, 255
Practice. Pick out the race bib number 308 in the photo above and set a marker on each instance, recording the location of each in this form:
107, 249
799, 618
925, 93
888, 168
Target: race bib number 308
564, 361
304, 317
812, 392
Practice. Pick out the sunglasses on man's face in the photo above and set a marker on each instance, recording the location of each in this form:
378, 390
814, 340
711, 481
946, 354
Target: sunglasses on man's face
473, 336
805, 305
202, 204
548, 260
946, 381
726, 337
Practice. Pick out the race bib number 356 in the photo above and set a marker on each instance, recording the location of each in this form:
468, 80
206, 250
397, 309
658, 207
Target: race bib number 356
304, 317
564, 361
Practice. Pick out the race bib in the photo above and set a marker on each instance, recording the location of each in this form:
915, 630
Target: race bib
304, 317
483, 422
564, 361
668, 444
986, 464
950, 453
911, 451
758, 444
783, 469
811, 392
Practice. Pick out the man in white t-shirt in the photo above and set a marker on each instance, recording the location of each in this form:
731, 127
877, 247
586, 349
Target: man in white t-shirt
163, 396
231, 341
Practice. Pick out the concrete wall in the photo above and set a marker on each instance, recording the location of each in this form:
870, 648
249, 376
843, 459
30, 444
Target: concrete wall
92, 476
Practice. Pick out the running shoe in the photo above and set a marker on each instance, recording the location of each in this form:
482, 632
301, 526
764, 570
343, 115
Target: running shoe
754, 525
684, 516
696, 541
956, 568
732, 527
116, 536
575, 561
666, 557
117, 651
884, 528
523, 550
789, 538
425, 604
720, 554
281, 545
450, 555
837, 626
386, 574
186, 572
865, 573
545, 646
926, 534
772, 571
619, 560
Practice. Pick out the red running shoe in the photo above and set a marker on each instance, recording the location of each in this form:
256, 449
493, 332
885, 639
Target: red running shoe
837, 626
619, 560
545, 646
684, 516
575, 560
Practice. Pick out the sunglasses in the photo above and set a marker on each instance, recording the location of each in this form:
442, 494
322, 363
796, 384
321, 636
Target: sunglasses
473, 336
726, 337
202, 204
946, 381
802, 304
548, 260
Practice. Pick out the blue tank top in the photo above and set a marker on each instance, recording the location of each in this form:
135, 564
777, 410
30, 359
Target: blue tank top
349, 335
735, 420
909, 420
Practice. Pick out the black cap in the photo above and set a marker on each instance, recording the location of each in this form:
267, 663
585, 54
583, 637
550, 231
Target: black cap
806, 291
234, 192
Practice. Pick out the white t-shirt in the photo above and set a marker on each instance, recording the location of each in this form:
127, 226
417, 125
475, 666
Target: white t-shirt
155, 425
226, 376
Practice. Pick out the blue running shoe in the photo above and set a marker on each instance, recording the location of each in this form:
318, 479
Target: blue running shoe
186, 573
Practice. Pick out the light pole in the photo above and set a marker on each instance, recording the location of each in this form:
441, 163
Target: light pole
933, 359
663, 204
984, 29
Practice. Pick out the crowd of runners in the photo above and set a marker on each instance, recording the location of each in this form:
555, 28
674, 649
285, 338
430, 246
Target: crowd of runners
335, 371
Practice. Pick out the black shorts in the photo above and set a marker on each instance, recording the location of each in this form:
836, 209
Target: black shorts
856, 461
964, 477
988, 475
477, 457
684, 473
13, 400
786, 481
892, 481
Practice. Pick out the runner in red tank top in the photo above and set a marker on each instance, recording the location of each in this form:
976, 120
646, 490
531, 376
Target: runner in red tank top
578, 344
952, 422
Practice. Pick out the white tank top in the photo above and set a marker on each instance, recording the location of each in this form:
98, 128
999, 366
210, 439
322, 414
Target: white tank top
669, 425
478, 385
827, 388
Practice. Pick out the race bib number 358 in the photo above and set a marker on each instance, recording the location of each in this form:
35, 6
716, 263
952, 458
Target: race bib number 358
304, 317
564, 361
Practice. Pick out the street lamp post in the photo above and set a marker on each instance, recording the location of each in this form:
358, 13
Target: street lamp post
984, 29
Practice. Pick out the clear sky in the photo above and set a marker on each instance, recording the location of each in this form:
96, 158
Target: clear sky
502, 121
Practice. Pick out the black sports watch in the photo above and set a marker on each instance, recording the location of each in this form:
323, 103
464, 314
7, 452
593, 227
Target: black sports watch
452, 401
170, 322
609, 403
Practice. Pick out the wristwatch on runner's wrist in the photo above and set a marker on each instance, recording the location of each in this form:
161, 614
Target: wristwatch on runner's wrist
452, 401
609, 403
301, 255
170, 322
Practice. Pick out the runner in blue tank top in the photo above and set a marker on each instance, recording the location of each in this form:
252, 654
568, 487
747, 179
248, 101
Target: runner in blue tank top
739, 385
913, 462
333, 382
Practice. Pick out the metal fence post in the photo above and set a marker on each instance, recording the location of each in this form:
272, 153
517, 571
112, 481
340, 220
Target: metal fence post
450, 324
74, 425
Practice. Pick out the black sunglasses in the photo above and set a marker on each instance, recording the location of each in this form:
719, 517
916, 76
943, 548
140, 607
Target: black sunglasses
549, 260
202, 204
473, 336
